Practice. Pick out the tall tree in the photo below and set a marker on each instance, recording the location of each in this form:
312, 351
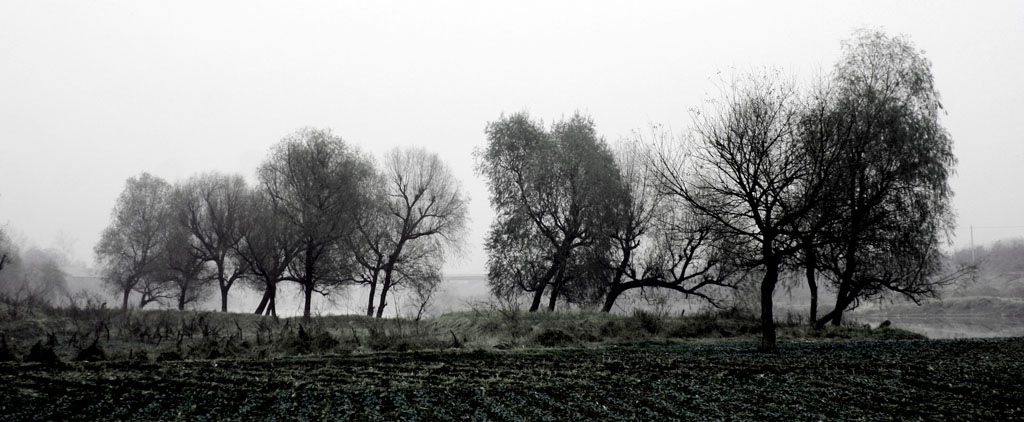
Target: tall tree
316, 180
892, 193
129, 248
756, 176
425, 215
551, 192
210, 207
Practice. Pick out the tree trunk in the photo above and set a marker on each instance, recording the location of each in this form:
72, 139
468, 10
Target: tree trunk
224, 297
813, 285
843, 299
771, 278
124, 300
553, 298
383, 297
369, 305
263, 302
556, 287
609, 300
272, 306
837, 318
307, 290
537, 296
181, 301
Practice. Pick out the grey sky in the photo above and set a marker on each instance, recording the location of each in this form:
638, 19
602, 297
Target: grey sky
94, 92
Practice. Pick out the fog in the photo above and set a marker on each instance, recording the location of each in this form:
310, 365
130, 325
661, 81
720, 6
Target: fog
94, 93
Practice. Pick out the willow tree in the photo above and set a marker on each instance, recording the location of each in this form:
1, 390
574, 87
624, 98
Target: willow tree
183, 267
268, 246
892, 196
129, 248
551, 191
316, 181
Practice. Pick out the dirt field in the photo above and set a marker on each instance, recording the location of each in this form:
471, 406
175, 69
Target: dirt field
822, 380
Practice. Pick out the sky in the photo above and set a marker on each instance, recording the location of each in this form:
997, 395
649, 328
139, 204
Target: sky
92, 93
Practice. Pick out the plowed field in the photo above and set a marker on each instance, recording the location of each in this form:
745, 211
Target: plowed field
869, 380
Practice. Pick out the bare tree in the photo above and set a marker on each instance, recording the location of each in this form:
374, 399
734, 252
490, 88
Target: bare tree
425, 283
155, 288
316, 180
424, 217
755, 177
371, 242
210, 207
129, 248
656, 241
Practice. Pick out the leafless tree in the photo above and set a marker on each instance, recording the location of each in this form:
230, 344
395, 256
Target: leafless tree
656, 241
210, 207
423, 215
754, 176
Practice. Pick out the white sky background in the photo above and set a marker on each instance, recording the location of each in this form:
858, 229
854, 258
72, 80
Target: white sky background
92, 93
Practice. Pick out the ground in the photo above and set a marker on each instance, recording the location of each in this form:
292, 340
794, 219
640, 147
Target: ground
645, 380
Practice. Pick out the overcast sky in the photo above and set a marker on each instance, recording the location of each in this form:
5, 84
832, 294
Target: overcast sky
92, 93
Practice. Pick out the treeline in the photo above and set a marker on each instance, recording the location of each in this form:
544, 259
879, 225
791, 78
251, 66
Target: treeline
845, 182
324, 215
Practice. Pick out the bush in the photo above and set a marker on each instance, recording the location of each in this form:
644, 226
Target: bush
7, 353
42, 353
554, 337
93, 353
649, 321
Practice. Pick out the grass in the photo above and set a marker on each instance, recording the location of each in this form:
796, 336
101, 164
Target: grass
166, 335
87, 364
988, 306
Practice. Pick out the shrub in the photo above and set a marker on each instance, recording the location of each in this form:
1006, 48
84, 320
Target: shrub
7, 353
649, 321
93, 353
554, 337
42, 353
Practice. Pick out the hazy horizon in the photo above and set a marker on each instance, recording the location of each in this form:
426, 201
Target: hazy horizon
97, 92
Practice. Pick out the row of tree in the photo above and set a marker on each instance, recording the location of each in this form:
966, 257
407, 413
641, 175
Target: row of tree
323, 215
845, 182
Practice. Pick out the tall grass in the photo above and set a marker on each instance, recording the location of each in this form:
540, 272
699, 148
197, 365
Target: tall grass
97, 333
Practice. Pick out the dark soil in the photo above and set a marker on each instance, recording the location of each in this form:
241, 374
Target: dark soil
851, 380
